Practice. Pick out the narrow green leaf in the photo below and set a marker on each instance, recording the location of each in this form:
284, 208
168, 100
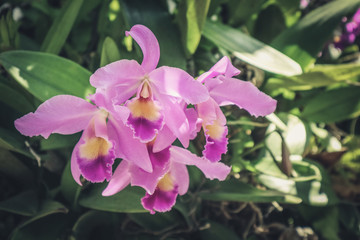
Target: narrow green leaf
233, 190
250, 50
334, 105
14, 99
157, 222
305, 39
128, 200
110, 52
157, 18
191, 19
46, 75
239, 14
61, 27
319, 76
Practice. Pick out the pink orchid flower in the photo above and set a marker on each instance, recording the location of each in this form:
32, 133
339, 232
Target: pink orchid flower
104, 136
225, 90
169, 178
158, 90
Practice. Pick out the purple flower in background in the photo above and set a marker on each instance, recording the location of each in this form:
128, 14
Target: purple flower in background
225, 90
350, 32
158, 90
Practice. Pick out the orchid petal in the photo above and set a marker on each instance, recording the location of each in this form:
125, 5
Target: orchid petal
75, 170
181, 176
178, 83
95, 154
194, 122
222, 67
245, 95
210, 169
123, 73
160, 201
119, 180
164, 139
62, 114
148, 44
127, 147
175, 120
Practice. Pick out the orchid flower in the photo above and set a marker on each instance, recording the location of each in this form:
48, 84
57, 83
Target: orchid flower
104, 136
158, 90
225, 90
169, 179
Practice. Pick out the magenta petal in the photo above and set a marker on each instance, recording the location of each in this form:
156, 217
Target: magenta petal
211, 170
222, 67
62, 114
127, 147
245, 95
214, 148
181, 176
96, 154
146, 118
125, 73
119, 180
178, 83
160, 201
148, 44
194, 122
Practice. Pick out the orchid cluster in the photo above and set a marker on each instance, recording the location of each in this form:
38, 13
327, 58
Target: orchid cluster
136, 114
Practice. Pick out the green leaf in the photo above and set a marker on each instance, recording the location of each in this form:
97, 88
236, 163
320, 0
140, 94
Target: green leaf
96, 225
56, 141
15, 99
233, 190
333, 105
218, 231
110, 52
128, 200
46, 75
305, 39
157, 18
25, 203
191, 19
49, 227
238, 14
68, 187
319, 76
13, 141
12, 167
61, 27
157, 222
250, 50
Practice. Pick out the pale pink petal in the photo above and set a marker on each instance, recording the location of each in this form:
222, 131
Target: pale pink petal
175, 119
124, 73
194, 122
178, 83
62, 114
75, 170
148, 44
119, 180
222, 67
245, 95
127, 147
181, 176
164, 139
149, 181
211, 170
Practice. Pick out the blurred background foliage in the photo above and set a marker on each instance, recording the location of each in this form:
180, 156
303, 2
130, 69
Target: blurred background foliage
295, 174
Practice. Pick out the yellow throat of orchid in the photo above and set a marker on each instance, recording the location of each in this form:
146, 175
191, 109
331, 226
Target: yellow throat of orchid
94, 147
166, 183
215, 130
